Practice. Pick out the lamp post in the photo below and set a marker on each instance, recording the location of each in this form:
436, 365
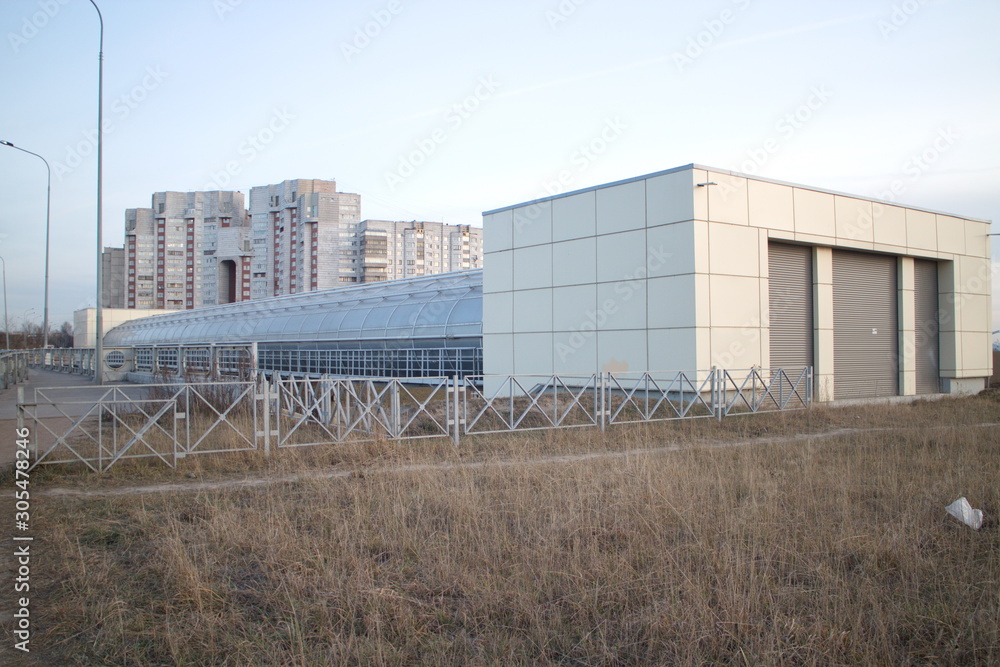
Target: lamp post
48, 208
6, 326
99, 346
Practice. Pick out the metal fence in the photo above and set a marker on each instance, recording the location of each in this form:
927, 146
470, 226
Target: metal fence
13, 367
222, 361
78, 360
100, 426
331, 410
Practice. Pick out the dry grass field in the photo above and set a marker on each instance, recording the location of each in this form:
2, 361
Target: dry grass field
681, 543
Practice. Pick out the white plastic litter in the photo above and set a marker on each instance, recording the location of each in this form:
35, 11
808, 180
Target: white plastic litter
964, 512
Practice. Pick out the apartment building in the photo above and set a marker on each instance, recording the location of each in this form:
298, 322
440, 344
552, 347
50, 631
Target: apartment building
391, 250
173, 259
303, 234
113, 283
196, 249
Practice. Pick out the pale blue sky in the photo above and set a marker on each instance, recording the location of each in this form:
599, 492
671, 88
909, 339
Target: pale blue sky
243, 93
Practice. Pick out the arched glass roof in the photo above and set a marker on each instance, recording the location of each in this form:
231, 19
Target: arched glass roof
444, 306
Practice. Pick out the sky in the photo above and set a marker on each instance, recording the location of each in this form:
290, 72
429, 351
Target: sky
440, 110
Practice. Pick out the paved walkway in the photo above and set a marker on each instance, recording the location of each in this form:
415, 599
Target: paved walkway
58, 386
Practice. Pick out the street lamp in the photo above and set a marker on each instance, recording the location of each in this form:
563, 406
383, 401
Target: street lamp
6, 326
48, 203
99, 347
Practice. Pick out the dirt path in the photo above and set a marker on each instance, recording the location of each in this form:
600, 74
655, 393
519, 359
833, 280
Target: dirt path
245, 482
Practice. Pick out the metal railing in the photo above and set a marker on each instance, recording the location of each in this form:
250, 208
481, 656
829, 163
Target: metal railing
145, 363
647, 397
78, 360
13, 367
496, 404
310, 411
756, 390
100, 426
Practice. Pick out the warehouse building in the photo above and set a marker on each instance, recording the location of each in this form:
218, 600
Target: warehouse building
695, 267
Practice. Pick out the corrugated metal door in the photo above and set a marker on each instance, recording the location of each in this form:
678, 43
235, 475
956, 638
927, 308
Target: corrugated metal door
927, 324
865, 331
790, 295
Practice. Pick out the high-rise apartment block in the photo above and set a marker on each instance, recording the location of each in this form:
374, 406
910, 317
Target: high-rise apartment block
198, 249
390, 250
303, 231
113, 283
173, 258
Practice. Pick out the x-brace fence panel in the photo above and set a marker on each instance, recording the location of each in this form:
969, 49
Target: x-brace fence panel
646, 397
101, 426
316, 411
219, 417
495, 404
99, 434
758, 390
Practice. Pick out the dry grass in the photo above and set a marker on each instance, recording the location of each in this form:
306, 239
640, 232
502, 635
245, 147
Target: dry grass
828, 552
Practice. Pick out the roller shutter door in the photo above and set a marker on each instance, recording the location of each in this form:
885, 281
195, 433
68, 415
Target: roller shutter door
927, 325
865, 331
790, 296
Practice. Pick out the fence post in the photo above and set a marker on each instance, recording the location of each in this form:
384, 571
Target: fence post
809, 387
397, 430
326, 387
602, 398
341, 413
265, 394
719, 392
457, 428
782, 376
